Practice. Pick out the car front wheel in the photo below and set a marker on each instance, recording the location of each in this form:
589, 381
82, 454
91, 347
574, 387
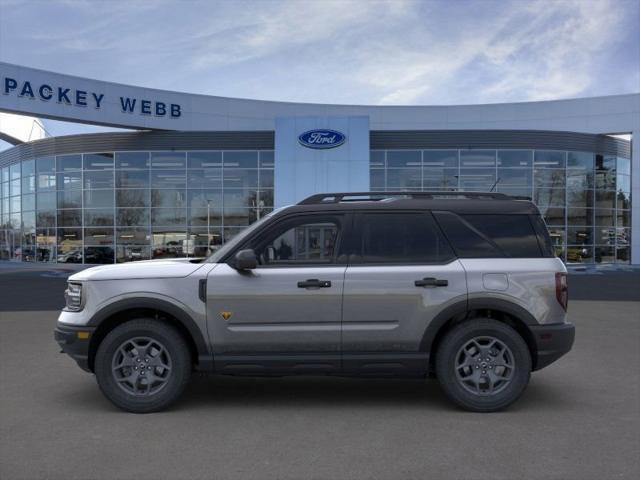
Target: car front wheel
483, 365
143, 365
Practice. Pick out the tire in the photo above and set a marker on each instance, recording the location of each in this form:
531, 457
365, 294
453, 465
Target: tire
143, 365
483, 382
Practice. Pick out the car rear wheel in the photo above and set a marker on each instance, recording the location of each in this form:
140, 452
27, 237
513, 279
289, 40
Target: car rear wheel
143, 365
483, 365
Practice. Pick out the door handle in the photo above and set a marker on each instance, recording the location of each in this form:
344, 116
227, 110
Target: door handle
314, 283
431, 282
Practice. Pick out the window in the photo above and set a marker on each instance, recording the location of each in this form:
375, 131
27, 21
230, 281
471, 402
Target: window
98, 198
168, 179
69, 162
513, 234
402, 238
98, 161
43, 165
204, 159
98, 179
404, 159
440, 159
240, 159
477, 158
514, 158
132, 179
266, 159
168, 160
478, 236
582, 160
549, 159
301, 241
132, 160
98, 255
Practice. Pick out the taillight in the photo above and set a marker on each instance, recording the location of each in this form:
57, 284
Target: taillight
562, 290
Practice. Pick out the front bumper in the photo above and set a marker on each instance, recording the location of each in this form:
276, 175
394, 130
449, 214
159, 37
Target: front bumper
552, 342
74, 341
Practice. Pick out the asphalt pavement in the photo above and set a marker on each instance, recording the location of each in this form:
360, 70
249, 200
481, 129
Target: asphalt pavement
579, 418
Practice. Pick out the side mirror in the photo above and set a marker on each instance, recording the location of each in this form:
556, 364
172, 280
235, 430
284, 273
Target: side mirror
246, 260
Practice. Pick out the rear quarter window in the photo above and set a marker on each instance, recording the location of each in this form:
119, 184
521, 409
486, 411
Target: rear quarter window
490, 235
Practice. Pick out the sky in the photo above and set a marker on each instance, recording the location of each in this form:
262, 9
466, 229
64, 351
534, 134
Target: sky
393, 52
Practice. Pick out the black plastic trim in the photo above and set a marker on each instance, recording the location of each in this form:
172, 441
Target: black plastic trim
374, 364
278, 364
503, 305
76, 348
205, 360
461, 308
552, 342
412, 364
457, 309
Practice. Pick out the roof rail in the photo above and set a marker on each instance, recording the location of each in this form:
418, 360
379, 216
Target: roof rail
378, 196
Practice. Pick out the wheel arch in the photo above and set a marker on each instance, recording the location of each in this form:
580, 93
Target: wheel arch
121, 311
502, 310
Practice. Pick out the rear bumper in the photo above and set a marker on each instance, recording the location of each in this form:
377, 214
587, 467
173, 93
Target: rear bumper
74, 345
552, 342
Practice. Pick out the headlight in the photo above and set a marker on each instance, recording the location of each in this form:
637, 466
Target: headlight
73, 297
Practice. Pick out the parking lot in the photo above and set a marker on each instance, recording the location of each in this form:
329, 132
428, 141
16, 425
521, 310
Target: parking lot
579, 418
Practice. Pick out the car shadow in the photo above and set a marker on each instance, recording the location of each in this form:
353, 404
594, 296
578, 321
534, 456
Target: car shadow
313, 392
209, 391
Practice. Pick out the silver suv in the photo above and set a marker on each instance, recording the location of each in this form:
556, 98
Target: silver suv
461, 286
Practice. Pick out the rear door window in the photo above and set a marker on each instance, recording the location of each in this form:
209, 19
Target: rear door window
401, 238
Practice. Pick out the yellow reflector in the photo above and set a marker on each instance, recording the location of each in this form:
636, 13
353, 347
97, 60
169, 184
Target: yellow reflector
83, 335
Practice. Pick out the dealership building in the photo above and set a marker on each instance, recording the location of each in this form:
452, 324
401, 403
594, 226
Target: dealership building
191, 171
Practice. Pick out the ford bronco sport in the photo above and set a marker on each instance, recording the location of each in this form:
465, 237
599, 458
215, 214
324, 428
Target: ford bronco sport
461, 286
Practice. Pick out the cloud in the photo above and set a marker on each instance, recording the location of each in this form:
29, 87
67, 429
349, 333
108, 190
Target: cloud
543, 51
553, 56
277, 27
337, 51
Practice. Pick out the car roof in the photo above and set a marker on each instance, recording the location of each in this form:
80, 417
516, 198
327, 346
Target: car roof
457, 202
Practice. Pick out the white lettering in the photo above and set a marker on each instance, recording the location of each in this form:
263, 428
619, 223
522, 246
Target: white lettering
320, 138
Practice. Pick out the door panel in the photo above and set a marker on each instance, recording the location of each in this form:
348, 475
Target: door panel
285, 314
402, 274
384, 311
268, 314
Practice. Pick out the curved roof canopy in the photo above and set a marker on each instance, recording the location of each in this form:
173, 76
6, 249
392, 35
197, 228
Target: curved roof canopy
29, 91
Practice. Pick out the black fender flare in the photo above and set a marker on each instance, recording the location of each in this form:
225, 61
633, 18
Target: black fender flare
506, 306
454, 310
464, 306
205, 360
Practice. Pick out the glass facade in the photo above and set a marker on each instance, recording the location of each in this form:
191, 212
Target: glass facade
111, 207
108, 207
585, 198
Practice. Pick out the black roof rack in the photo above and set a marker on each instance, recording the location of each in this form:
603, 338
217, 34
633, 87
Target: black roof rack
378, 196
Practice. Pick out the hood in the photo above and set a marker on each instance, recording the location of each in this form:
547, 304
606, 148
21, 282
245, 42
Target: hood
163, 268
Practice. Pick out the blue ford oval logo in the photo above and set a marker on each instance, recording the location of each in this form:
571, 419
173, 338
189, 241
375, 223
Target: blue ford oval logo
322, 138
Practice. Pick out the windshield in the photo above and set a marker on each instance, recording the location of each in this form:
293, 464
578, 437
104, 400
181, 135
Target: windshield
239, 238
